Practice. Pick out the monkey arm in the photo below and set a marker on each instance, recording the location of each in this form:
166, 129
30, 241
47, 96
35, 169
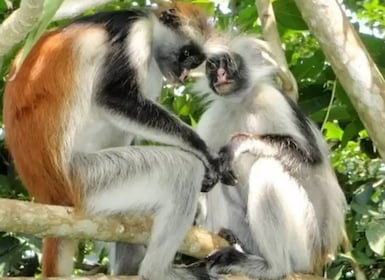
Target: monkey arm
148, 119
286, 148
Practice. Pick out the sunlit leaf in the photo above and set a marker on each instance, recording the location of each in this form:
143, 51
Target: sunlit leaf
375, 235
333, 131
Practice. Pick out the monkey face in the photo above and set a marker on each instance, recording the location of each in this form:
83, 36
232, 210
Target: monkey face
226, 73
176, 62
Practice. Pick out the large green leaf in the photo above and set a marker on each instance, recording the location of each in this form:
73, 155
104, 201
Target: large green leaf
376, 48
337, 112
333, 131
309, 68
287, 15
375, 235
3, 6
351, 131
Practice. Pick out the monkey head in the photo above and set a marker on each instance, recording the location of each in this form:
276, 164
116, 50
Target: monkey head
180, 51
235, 68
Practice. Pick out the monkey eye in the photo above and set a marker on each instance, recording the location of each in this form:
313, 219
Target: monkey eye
186, 53
210, 65
171, 11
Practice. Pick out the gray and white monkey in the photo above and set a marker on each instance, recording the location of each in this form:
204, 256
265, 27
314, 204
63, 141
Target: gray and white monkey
287, 211
84, 87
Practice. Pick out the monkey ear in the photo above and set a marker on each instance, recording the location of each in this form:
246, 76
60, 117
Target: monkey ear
170, 18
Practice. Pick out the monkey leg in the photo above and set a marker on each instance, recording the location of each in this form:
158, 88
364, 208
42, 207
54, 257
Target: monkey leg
162, 181
282, 223
125, 258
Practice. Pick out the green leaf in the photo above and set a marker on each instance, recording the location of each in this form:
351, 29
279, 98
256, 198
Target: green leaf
288, 15
344, 98
333, 131
247, 18
362, 258
376, 47
3, 6
375, 234
207, 5
351, 131
338, 112
309, 67
335, 272
360, 208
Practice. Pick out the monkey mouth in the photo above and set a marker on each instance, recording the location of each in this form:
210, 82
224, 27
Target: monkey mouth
177, 78
183, 76
224, 87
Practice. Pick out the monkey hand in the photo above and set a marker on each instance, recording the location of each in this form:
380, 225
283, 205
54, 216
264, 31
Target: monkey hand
220, 169
211, 178
221, 259
227, 175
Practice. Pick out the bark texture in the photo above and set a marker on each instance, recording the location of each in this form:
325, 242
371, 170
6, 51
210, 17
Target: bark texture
271, 35
16, 27
351, 63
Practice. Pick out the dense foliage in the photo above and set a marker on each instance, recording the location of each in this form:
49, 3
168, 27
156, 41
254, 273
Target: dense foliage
360, 170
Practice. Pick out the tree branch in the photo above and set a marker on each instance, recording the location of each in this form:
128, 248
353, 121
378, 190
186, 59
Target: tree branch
109, 277
48, 221
351, 63
14, 29
58, 221
271, 35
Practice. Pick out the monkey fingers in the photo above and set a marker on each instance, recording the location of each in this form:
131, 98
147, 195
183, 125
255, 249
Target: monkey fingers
218, 260
210, 179
228, 235
227, 175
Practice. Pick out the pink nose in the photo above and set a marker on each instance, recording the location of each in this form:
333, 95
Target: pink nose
221, 72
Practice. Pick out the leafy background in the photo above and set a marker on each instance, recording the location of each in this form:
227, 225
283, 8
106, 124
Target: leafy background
360, 171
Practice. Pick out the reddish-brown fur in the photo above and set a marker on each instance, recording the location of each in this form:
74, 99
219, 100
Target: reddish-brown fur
34, 102
189, 14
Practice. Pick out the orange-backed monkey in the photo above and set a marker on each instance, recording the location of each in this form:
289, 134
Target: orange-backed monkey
80, 91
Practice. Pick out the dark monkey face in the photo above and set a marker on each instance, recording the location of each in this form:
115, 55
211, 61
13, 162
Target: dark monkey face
226, 73
176, 53
176, 60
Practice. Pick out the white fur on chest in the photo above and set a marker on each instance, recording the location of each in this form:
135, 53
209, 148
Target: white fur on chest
264, 112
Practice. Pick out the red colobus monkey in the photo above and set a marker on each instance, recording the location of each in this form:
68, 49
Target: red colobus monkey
287, 212
78, 93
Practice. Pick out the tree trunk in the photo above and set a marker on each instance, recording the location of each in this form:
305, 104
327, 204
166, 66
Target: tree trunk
14, 29
271, 35
351, 63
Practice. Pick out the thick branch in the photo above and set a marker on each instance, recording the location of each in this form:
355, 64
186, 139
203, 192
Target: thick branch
271, 35
104, 277
47, 221
107, 277
14, 29
352, 64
